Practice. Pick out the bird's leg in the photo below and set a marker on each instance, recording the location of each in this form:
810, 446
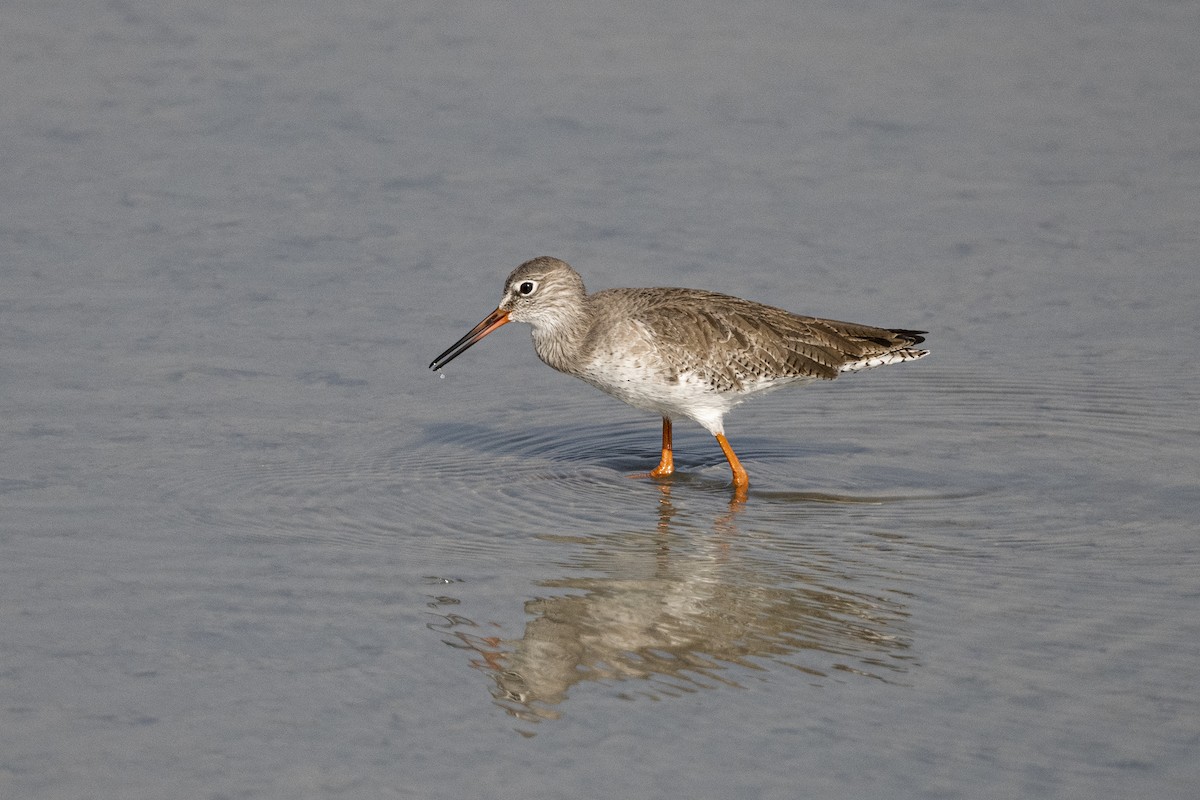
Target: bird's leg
740, 479
666, 464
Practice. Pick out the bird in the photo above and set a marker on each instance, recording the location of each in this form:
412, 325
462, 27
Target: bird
680, 352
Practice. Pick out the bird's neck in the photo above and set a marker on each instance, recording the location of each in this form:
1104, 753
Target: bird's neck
559, 340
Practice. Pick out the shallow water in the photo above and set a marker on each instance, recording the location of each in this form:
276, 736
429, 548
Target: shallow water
253, 547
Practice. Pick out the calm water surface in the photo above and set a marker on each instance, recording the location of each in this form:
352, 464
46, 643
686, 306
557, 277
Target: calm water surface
252, 547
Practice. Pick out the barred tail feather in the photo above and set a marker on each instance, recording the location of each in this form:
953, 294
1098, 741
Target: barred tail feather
883, 359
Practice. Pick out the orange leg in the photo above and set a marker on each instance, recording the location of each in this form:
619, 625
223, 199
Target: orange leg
666, 464
740, 479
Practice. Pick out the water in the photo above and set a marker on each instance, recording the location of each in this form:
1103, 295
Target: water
252, 547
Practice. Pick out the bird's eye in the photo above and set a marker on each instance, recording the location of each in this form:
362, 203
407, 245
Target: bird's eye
527, 288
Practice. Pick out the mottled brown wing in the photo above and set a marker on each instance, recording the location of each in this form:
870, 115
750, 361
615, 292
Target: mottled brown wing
729, 341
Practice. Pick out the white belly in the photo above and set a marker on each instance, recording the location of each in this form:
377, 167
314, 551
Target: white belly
683, 394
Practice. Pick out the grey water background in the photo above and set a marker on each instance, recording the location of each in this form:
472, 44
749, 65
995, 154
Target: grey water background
252, 547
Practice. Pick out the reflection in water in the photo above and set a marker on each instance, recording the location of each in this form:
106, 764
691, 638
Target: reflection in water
678, 620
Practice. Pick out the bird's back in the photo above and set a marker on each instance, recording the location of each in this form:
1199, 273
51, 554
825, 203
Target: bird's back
735, 344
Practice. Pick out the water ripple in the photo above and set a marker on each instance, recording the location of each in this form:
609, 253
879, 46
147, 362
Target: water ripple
973, 451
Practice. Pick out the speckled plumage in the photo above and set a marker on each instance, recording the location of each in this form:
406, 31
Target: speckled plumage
680, 352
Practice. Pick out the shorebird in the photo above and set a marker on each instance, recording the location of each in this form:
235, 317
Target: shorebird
680, 352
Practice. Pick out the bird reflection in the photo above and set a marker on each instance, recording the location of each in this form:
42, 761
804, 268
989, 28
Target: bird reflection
662, 620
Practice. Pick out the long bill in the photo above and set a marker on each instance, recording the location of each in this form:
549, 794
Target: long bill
487, 325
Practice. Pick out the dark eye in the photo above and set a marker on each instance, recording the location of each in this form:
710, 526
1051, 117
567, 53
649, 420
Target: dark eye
527, 288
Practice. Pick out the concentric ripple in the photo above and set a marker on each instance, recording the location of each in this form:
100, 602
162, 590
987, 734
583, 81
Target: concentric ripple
939, 448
